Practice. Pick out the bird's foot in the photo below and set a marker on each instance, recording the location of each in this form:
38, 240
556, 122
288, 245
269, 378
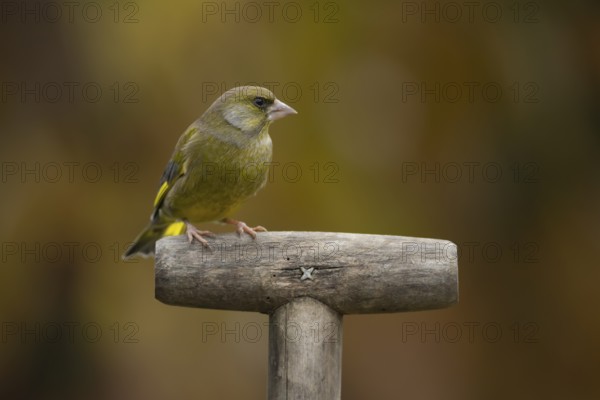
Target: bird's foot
193, 233
241, 227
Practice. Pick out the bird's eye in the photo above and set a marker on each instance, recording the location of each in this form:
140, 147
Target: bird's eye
259, 102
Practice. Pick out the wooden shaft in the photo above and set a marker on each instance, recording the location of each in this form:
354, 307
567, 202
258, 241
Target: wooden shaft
305, 351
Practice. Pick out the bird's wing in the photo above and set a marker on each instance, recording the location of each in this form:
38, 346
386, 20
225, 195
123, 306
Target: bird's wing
174, 170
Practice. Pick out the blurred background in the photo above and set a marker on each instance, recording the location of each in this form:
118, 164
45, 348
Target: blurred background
476, 122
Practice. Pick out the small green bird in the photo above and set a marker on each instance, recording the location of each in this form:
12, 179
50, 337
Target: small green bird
220, 160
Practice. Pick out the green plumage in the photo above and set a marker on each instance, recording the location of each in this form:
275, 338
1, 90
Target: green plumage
218, 162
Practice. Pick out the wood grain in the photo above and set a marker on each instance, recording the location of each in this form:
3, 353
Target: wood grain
305, 351
353, 273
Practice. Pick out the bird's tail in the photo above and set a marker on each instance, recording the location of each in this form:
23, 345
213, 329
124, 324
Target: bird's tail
145, 242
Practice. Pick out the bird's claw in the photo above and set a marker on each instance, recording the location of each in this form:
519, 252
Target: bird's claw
193, 233
242, 228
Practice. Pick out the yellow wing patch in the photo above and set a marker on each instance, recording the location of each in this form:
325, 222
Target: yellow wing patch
161, 193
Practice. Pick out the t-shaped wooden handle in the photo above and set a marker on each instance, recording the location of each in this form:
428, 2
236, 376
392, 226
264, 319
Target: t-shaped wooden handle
351, 273
307, 281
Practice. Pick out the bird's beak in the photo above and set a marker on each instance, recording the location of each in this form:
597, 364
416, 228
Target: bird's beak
279, 110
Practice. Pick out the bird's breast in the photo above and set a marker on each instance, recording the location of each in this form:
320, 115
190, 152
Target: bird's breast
218, 183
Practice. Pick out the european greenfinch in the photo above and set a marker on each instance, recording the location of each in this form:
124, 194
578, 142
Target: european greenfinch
221, 159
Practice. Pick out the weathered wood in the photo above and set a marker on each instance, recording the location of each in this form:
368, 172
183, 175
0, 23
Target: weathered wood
305, 351
306, 281
351, 273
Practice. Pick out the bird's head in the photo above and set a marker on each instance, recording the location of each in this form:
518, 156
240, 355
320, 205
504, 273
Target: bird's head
249, 108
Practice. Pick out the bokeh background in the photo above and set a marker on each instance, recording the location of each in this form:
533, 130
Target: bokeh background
475, 123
